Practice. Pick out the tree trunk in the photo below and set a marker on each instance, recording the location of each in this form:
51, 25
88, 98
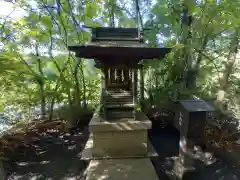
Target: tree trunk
84, 87
193, 72
53, 100
41, 83
186, 22
75, 75
228, 70
111, 11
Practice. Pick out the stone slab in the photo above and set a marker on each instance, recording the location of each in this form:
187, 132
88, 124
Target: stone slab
121, 169
98, 123
87, 154
120, 143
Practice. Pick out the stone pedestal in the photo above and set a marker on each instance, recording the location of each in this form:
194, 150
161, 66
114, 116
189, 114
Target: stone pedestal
2, 171
125, 137
184, 163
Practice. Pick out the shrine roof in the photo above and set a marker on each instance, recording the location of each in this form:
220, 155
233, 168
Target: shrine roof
131, 52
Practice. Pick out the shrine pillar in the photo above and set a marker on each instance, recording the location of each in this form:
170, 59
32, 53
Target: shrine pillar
141, 83
104, 78
134, 90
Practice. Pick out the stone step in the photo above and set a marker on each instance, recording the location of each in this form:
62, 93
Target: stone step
119, 105
121, 169
117, 98
118, 101
118, 94
119, 114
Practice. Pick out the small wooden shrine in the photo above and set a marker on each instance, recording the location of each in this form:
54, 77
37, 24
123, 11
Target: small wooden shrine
117, 127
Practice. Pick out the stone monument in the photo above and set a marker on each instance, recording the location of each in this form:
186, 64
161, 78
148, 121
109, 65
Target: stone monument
190, 121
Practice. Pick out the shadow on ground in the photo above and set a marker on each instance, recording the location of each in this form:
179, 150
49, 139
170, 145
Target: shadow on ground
53, 157
165, 141
58, 158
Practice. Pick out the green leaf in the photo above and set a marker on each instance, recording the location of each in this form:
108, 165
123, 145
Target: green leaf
50, 74
91, 10
191, 4
47, 21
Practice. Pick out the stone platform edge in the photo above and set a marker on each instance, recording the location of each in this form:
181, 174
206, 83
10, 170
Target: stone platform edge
97, 123
121, 169
86, 153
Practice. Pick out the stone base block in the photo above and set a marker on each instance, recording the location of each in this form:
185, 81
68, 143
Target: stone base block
88, 155
182, 171
120, 143
124, 137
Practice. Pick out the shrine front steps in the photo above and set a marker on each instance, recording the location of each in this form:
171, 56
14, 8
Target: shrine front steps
119, 101
118, 92
122, 100
121, 169
121, 145
119, 105
116, 101
87, 153
118, 95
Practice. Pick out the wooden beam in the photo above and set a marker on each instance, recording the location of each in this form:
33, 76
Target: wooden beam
116, 39
120, 66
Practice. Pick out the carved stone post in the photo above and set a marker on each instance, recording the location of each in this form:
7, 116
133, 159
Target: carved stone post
190, 121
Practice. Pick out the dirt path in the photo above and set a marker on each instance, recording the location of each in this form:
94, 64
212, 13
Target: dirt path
55, 158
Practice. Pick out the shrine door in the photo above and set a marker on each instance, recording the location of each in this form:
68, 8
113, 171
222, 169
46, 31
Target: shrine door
119, 79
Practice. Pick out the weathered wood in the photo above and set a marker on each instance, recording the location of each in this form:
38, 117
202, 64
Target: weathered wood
103, 92
114, 33
114, 55
118, 51
106, 69
134, 90
141, 84
118, 78
116, 39
119, 66
119, 98
119, 105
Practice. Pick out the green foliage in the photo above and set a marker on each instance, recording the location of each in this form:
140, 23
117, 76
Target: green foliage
36, 67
